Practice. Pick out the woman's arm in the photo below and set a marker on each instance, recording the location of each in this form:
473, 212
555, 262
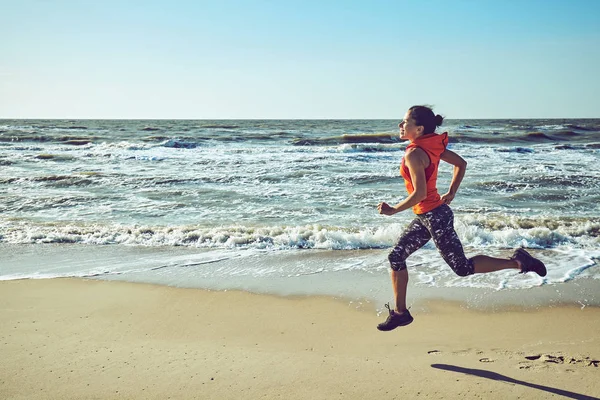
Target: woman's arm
416, 162
460, 166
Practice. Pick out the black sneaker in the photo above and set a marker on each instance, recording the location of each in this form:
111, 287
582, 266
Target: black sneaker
528, 262
395, 320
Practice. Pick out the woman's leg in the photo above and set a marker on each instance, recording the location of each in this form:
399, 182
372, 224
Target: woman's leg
414, 237
484, 264
399, 284
441, 225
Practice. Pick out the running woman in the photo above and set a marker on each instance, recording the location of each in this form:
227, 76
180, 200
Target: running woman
434, 217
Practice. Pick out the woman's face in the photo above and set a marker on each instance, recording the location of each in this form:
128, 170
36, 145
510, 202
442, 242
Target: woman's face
408, 129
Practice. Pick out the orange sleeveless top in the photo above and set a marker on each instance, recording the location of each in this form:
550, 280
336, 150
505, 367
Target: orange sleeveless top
433, 145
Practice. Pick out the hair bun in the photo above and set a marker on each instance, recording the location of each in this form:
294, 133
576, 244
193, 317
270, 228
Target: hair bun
425, 117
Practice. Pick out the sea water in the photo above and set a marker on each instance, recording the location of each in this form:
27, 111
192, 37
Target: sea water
287, 206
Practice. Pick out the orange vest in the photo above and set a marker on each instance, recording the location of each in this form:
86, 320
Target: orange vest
433, 145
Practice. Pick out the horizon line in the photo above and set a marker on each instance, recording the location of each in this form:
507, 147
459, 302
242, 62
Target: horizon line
279, 119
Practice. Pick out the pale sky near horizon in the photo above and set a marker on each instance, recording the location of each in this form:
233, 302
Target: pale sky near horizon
234, 59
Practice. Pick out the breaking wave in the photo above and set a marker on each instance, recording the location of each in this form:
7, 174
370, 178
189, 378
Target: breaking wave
503, 232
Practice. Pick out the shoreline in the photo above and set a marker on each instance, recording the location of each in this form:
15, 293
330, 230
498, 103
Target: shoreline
425, 298
81, 338
354, 275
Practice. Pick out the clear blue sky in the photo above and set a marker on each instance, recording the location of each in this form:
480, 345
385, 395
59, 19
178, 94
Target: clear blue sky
299, 59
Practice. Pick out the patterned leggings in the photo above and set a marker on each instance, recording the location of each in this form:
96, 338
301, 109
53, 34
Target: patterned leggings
439, 225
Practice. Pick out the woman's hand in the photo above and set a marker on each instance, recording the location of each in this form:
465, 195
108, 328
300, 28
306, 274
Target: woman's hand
385, 209
448, 197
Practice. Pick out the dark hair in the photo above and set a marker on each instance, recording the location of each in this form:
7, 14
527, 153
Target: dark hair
424, 116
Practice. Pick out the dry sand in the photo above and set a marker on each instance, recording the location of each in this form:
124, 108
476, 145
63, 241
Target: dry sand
78, 339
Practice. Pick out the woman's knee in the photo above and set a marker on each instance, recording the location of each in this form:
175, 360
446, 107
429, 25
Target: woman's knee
463, 269
462, 272
397, 260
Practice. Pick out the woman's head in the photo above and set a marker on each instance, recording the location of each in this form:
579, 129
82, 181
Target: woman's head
418, 121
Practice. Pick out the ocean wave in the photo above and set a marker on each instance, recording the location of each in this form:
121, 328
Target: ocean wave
514, 150
504, 232
589, 146
549, 127
155, 138
81, 142
595, 127
213, 126
25, 148
40, 138
569, 147
55, 157
296, 133
72, 127
119, 145
546, 182
537, 137
546, 232
180, 144
369, 148
81, 179
517, 137
464, 137
567, 134
343, 139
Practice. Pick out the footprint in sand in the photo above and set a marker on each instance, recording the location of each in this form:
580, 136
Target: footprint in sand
535, 357
463, 352
554, 359
585, 361
561, 359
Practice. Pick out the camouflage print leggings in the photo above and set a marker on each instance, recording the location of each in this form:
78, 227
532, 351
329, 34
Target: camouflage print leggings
439, 225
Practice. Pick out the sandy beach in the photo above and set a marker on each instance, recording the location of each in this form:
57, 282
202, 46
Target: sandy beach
86, 339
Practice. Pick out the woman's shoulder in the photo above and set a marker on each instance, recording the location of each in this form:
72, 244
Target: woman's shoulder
416, 155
